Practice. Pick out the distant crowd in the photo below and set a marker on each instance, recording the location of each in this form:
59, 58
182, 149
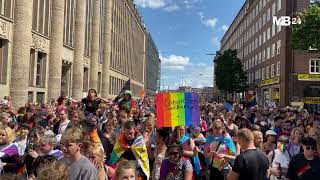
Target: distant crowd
98, 139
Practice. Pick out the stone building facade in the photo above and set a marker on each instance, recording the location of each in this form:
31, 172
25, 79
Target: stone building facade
273, 67
153, 68
50, 48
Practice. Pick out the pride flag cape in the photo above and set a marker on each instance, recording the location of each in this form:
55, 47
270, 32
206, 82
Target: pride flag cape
138, 148
229, 150
177, 109
196, 161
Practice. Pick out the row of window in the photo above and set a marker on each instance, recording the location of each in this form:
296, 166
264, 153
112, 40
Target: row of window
262, 56
264, 73
264, 19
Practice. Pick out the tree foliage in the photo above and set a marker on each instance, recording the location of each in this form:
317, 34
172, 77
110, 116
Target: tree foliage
307, 34
229, 74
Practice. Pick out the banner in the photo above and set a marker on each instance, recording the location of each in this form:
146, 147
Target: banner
309, 77
312, 100
177, 109
270, 81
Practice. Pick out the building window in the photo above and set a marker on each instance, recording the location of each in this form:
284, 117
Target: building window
256, 60
99, 82
278, 29
278, 68
272, 70
267, 72
260, 40
85, 79
264, 3
268, 14
279, 5
268, 52
264, 19
260, 22
37, 70
41, 16
263, 55
6, 8
30, 96
273, 30
278, 46
314, 66
40, 97
268, 33
273, 50
263, 73
273, 9
88, 30
102, 30
68, 33
264, 37
260, 5
3, 61
259, 58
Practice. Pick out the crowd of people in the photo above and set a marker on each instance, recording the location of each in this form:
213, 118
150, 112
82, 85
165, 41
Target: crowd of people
98, 139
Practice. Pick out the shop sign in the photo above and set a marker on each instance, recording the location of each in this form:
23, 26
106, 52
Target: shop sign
276, 95
309, 77
270, 81
312, 100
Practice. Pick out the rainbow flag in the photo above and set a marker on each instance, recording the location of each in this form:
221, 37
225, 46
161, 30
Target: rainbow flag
177, 109
138, 148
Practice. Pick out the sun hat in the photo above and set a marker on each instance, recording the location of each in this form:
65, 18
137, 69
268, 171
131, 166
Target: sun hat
271, 132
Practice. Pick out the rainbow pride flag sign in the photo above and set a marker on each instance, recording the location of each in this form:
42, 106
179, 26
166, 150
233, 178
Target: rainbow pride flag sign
177, 109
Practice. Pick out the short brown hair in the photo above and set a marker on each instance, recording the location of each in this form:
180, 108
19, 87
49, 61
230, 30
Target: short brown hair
245, 134
125, 164
53, 171
72, 135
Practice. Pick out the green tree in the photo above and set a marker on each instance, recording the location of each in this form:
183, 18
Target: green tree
307, 34
229, 74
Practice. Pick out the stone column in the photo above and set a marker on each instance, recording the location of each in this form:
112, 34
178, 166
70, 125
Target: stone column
22, 40
95, 45
107, 49
56, 49
77, 83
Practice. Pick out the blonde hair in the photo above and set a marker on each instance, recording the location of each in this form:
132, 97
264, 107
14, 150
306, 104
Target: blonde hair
123, 165
72, 135
246, 135
53, 171
256, 134
49, 139
218, 124
80, 114
10, 134
294, 131
96, 151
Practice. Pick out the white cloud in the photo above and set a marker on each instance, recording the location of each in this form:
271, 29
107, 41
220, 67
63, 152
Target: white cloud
154, 4
195, 75
224, 27
190, 3
174, 62
171, 8
216, 42
210, 22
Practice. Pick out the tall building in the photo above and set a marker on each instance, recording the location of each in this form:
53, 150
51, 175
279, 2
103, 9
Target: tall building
276, 72
153, 67
50, 48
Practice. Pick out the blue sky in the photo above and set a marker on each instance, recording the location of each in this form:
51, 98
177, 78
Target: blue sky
184, 32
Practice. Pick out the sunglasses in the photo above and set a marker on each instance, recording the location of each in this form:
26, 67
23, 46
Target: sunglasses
310, 147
